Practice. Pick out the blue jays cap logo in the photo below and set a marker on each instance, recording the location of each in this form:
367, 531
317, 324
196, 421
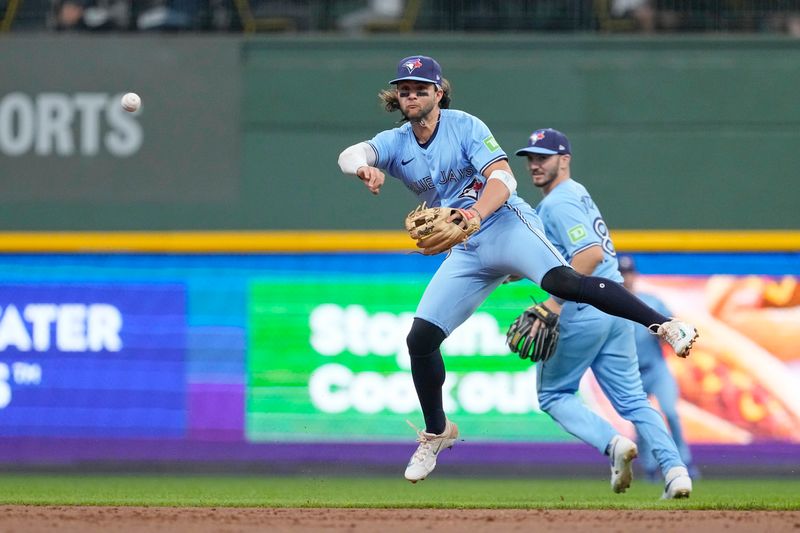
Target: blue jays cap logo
546, 141
411, 65
418, 68
536, 136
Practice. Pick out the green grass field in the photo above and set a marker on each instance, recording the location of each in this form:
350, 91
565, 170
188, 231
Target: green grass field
383, 492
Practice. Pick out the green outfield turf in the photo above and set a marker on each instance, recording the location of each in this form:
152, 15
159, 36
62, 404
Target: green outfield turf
247, 491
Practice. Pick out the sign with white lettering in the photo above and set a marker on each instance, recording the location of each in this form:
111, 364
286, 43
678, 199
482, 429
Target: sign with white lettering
92, 360
66, 141
327, 359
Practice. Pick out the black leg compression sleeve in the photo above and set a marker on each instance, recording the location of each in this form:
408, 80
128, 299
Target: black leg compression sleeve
427, 370
604, 294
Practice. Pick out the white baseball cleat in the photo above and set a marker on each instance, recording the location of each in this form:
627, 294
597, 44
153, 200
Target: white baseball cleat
679, 335
622, 451
677, 484
423, 461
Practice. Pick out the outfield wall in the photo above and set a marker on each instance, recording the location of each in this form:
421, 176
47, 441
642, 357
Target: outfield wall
194, 282
243, 133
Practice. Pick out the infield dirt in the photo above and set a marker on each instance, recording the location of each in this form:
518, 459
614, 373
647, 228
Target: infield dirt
34, 519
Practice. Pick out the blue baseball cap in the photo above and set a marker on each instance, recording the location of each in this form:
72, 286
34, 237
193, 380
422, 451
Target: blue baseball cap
419, 68
626, 264
547, 142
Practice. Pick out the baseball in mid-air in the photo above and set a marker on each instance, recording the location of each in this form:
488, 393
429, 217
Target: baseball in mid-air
131, 102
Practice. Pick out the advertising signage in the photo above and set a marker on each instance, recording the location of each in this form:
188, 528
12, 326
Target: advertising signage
96, 360
327, 359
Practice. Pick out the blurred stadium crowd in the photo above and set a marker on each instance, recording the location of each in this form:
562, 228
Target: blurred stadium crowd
372, 16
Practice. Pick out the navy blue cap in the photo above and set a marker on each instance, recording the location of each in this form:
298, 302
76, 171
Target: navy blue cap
419, 68
547, 142
626, 264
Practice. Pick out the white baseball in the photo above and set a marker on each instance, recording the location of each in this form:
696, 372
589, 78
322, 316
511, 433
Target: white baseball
131, 102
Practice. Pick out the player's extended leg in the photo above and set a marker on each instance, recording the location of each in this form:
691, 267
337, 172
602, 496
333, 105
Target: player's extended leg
617, 373
614, 299
518, 246
582, 336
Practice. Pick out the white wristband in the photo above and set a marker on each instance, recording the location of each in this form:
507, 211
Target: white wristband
506, 177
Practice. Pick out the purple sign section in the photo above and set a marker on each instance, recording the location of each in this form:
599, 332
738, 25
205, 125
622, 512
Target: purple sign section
216, 373
359, 457
216, 411
93, 360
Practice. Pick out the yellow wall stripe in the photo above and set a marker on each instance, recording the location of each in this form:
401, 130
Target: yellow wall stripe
708, 241
359, 241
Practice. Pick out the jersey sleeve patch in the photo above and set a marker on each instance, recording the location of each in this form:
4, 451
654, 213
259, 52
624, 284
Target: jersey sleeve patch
491, 144
577, 233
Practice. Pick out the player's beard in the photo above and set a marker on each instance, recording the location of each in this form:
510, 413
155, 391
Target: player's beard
422, 113
546, 178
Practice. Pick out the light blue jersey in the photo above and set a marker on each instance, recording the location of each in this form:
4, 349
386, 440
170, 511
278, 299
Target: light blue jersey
448, 169
592, 339
573, 223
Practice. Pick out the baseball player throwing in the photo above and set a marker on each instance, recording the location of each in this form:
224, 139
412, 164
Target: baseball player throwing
449, 159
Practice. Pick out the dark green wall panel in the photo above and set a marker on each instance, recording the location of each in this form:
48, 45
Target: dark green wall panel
667, 133
72, 159
243, 133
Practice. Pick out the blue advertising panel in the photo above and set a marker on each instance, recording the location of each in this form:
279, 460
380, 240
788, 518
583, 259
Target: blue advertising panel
96, 360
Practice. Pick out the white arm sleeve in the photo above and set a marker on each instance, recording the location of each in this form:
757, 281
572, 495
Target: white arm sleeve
506, 177
357, 156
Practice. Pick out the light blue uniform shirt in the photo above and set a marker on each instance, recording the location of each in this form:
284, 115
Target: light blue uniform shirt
593, 339
448, 169
573, 223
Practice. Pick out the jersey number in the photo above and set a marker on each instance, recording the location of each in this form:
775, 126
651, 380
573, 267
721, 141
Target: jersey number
601, 230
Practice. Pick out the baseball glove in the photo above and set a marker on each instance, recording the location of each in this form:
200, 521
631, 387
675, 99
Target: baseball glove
433, 230
541, 345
